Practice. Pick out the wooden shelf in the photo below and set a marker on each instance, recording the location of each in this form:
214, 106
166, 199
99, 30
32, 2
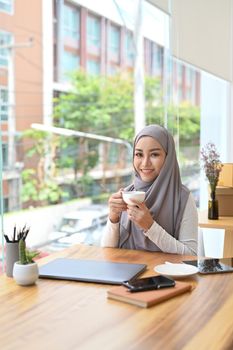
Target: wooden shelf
223, 221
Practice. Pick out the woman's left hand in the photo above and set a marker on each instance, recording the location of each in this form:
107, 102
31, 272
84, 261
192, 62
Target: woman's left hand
140, 215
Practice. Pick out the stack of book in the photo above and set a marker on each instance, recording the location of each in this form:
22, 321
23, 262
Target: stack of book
224, 190
148, 298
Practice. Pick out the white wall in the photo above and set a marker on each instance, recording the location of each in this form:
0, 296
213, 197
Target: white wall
214, 122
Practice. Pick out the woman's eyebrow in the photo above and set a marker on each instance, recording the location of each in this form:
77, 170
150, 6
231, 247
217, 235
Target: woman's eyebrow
155, 149
150, 150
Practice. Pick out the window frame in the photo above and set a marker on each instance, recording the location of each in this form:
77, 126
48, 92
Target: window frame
93, 37
113, 46
69, 28
72, 67
4, 56
4, 104
5, 154
129, 48
92, 62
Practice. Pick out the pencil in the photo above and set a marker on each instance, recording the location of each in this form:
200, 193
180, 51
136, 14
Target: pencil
14, 234
7, 239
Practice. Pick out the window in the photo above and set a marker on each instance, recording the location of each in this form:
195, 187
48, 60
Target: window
114, 41
4, 155
190, 82
179, 72
71, 24
73, 168
93, 67
3, 104
129, 48
189, 76
5, 39
6, 6
70, 61
179, 79
6, 204
93, 32
157, 55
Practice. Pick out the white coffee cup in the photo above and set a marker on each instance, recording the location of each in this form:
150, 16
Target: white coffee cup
138, 196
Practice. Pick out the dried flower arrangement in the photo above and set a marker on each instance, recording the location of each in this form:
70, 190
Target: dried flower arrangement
212, 165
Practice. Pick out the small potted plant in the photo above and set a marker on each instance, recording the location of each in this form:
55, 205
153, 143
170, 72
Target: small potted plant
25, 271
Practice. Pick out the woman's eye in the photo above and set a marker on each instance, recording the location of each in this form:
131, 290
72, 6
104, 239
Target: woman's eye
154, 154
138, 155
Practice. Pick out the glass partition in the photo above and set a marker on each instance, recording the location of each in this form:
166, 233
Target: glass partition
62, 157
2, 256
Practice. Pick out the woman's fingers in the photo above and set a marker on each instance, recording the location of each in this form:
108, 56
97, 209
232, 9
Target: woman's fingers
116, 202
140, 215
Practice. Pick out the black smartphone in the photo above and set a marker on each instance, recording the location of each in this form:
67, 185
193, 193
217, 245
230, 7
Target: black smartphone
149, 283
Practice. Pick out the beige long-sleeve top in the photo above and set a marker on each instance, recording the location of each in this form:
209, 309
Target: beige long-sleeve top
186, 244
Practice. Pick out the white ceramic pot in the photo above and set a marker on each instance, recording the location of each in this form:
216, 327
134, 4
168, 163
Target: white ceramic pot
25, 275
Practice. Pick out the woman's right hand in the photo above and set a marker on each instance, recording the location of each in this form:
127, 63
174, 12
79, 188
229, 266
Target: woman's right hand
116, 206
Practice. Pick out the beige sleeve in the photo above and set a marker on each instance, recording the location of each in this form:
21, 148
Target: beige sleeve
185, 245
110, 237
187, 241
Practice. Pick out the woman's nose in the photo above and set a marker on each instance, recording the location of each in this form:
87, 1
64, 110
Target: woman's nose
146, 160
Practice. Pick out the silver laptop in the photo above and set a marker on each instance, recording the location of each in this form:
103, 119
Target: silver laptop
90, 270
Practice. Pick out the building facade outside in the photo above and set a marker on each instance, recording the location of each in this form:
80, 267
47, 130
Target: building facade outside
40, 44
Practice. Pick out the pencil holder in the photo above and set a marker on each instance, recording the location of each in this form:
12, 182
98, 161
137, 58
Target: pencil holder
12, 255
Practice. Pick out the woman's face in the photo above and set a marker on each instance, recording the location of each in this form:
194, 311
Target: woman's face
149, 157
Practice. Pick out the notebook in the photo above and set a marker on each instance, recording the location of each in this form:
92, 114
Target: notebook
148, 298
90, 270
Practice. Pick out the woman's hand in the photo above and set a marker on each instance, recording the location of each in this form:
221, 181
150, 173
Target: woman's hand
116, 206
140, 215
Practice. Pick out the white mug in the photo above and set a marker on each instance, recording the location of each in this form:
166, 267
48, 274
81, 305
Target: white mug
138, 196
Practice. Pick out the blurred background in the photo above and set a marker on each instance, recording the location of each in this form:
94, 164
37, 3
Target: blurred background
78, 79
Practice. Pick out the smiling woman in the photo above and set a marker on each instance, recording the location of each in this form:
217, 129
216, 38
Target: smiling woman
167, 219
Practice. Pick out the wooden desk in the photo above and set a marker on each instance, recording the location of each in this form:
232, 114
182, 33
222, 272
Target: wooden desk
64, 315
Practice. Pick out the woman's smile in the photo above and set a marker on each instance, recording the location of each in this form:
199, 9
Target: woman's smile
147, 171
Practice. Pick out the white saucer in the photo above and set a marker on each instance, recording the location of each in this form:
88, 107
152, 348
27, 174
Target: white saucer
176, 270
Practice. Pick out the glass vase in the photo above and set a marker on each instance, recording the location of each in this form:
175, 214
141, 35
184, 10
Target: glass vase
213, 207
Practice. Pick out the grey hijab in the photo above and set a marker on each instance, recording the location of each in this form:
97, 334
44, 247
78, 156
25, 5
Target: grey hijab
166, 197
